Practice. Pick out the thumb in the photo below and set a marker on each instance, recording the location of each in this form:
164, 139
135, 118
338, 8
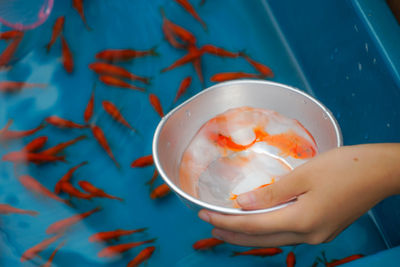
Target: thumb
286, 188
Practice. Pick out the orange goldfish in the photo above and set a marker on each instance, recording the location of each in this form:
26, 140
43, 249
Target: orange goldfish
63, 123
226, 76
78, 5
87, 115
35, 250
57, 29
13, 34
33, 185
111, 109
262, 69
160, 191
60, 147
226, 142
212, 49
67, 177
49, 262
96, 192
35, 144
23, 157
101, 139
190, 9
115, 82
69, 189
67, 58
290, 259
7, 209
189, 57
116, 234
9, 52
12, 86
124, 54
171, 30
63, 225
153, 178
112, 70
262, 252
112, 251
183, 87
6, 134
207, 243
143, 161
168, 33
344, 260
155, 102
143, 255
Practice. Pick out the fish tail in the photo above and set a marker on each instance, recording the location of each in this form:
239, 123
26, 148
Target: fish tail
162, 11
235, 253
48, 46
153, 51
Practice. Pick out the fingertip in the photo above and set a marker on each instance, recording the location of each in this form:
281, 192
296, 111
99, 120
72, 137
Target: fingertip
246, 200
204, 215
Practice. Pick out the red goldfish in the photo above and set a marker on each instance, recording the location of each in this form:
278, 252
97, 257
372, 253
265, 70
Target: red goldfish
143, 255
67, 177
171, 30
112, 251
226, 142
96, 192
111, 109
13, 34
262, 69
60, 147
190, 9
226, 76
49, 262
12, 87
189, 57
35, 144
262, 252
9, 52
7, 209
63, 123
63, 225
57, 29
212, 49
168, 33
207, 243
35, 250
23, 157
69, 189
344, 260
101, 139
116, 234
143, 161
183, 87
115, 82
67, 58
290, 259
160, 191
33, 185
6, 135
112, 70
87, 115
78, 5
153, 178
155, 102
124, 54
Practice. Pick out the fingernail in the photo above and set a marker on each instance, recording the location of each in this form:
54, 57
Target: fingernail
204, 216
246, 199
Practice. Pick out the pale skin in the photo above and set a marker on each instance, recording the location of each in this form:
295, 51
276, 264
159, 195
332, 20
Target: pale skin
333, 190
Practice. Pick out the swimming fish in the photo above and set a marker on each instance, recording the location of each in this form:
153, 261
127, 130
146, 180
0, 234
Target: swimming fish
67, 177
193, 54
78, 5
344, 260
160, 191
155, 102
112, 70
57, 29
8, 209
63, 225
111, 109
190, 9
8, 35
69, 189
6, 134
125, 54
143, 255
67, 58
183, 87
262, 252
290, 259
153, 178
23, 157
214, 50
61, 146
143, 161
115, 82
63, 123
101, 139
35, 250
87, 115
207, 243
35, 144
261, 68
9, 52
13, 86
96, 192
171, 30
115, 250
115, 234
227, 76
51, 258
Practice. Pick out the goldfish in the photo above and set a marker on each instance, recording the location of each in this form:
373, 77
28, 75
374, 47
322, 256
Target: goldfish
262, 252
143, 255
96, 192
7, 209
115, 250
344, 260
69, 189
57, 29
171, 30
168, 33
212, 49
226, 76
190, 9
35, 144
198, 69
78, 5
87, 115
6, 134
116, 71
262, 69
189, 57
207, 243
67, 177
12, 86
160, 191
51, 258
33, 185
63, 225
101, 139
115, 234
35, 250
143, 161
60, 147
124, 54
155, 102
13, 34
111, 109
290, 259
115, 82
183, 87
67, 58
63, 123
153, 178
226, 142
9, 52
22, 157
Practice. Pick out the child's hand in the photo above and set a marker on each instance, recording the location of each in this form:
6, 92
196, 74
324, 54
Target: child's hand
332, 191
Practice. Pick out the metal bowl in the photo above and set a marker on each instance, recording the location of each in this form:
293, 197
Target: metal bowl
178, 127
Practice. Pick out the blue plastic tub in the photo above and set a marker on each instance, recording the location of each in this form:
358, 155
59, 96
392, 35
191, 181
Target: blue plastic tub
344, 53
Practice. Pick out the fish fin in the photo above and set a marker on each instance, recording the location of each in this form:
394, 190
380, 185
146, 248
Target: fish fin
153, 51
235, 253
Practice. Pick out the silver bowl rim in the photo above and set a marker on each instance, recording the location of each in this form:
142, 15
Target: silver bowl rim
209, 206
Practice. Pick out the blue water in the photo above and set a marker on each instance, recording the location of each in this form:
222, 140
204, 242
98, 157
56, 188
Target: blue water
233, 25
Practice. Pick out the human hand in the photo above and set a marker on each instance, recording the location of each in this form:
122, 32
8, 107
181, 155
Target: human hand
332, 190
